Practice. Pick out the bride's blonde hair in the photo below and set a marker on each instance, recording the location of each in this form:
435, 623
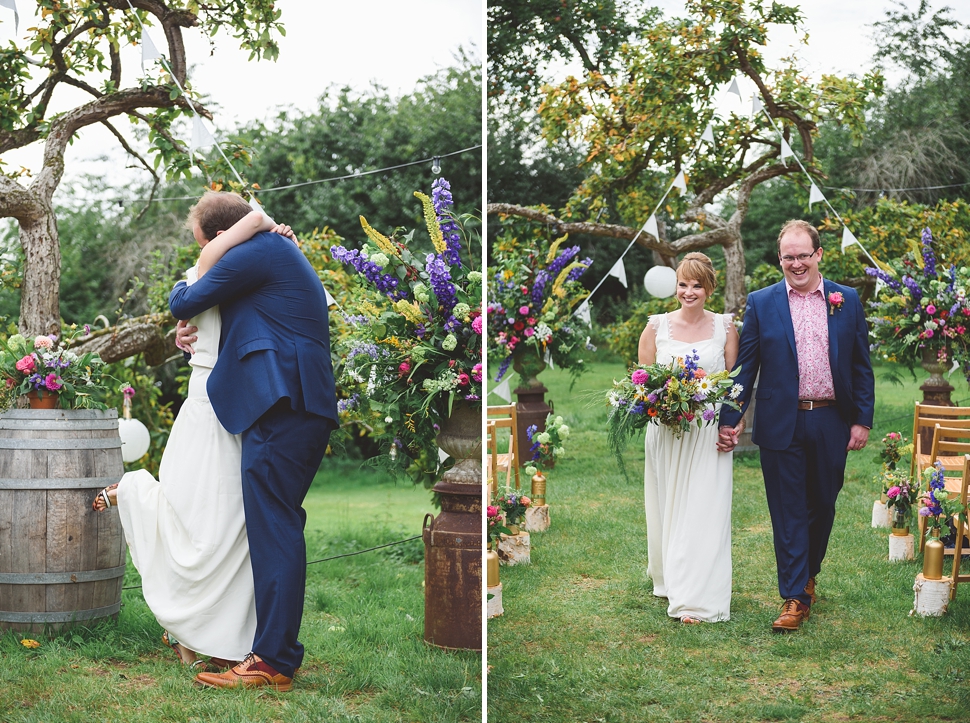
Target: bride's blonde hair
696, 266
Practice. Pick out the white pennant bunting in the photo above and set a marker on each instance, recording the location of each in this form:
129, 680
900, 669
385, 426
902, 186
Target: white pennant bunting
12, 4
619, 271
734, 88
880, 285
681, 182
756, 106
956, 365
148, 49
708, 134
254, 204
814, 195
785, 150
503, 391
330, 300
847, 238
583, 312
650, 227
442, 455
547, 358
201, 136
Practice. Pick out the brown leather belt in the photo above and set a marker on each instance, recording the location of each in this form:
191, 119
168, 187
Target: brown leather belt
810, 404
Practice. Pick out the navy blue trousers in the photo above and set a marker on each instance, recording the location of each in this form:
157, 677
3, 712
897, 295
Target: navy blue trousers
281, 453
802, 484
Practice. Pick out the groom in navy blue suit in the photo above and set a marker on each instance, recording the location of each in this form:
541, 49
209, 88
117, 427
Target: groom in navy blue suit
808, 337
273, 383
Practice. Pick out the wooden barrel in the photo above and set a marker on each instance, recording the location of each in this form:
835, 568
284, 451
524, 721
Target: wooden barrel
61, 563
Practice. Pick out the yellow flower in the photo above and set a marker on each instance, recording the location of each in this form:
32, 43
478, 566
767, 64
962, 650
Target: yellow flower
554, 248
28, 643
557, 286
409, 311
383, 243
431, 219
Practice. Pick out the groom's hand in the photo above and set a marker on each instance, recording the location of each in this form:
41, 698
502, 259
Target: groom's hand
727, 437
858, 436
185, 336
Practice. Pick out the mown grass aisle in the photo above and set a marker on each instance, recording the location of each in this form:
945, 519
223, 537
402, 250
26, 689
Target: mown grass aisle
584, 639
363, 628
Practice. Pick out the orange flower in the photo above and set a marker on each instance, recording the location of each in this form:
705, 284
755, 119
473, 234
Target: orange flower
28, 643
651, 412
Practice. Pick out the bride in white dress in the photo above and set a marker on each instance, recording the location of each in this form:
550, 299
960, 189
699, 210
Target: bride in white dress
687, 482
187, 530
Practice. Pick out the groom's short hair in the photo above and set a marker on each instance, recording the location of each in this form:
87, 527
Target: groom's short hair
217, 211
799, 225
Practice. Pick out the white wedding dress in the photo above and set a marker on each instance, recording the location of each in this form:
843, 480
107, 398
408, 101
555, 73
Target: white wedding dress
687, 496
187, 530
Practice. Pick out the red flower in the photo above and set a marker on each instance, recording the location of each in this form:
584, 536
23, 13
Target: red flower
518, 326
463, 380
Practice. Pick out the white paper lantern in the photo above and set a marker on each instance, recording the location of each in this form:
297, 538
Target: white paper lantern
135, 439
660, 281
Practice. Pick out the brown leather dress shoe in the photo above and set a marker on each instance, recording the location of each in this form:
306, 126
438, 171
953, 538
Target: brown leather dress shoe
793, 614
810, 589
250, 673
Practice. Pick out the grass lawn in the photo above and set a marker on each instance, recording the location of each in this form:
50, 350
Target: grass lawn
584, 639
363, 628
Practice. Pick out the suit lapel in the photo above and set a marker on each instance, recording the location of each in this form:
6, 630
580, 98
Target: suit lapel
833, 329
784, 311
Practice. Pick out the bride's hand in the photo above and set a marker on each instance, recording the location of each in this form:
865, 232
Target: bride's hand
283, 230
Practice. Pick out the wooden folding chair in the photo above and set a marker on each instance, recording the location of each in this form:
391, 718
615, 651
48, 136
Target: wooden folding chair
491, 460
955, 576
950, 446
505, 418
925, 419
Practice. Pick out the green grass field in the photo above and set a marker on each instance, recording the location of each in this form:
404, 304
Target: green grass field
584, 639
363, 628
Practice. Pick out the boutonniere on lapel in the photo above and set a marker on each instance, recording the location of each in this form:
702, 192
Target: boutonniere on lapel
835, 301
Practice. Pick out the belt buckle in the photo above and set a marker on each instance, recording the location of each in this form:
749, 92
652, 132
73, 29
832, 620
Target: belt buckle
810, 403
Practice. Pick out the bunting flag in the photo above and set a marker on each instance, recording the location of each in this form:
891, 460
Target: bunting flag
680, 182
880, 285
201, 136
442, 455
547, 358
848, 239
956, 365
814, 196
148, 49
619, 271
12, 4
708, 134
583, 312
734, 88
503, 391
330, 300
254, 204
650, 227
786, 150
756, 106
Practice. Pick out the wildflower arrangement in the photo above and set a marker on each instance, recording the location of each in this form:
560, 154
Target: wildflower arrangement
902, 496
677, 395
415, 349
44, 365
547, 446
893, 446
922, 307
532, 297
513, 505
937, 505
496, 523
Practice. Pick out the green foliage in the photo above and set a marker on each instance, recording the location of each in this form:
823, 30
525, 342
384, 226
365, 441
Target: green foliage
622, 336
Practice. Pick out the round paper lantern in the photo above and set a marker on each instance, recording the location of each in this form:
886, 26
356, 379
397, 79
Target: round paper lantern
134, 439
660, 281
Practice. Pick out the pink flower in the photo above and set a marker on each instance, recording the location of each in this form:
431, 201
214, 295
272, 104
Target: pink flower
43, 342
477, 325
928, 333
404, 368
835, 301
930, 309
530, 331
53, 382
523, 310
531, 321
640, 377
699, 374
477, 372
525, 501
10, 382
892, 491
492, 511
463, 380
27, 365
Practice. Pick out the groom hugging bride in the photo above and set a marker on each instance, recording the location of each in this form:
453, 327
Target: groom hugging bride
218, 538
808, 338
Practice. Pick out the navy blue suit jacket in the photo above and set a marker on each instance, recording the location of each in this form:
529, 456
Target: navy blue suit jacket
275, 339
768, 344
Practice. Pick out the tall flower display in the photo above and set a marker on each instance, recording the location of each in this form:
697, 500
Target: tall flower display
922, 308
415, 350
532, 297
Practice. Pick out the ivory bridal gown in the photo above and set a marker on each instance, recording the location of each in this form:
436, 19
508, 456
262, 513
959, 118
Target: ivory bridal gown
687, 486
187, 530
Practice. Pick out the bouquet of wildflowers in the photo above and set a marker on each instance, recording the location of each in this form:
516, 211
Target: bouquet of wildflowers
677, 395
922, 307
531, 300
45, 366
902, 496
893, 446
513, 505
496, 523
546, 446
415, 350
937, 505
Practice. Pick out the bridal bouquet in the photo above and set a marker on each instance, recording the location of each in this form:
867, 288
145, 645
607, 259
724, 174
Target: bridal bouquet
677, 395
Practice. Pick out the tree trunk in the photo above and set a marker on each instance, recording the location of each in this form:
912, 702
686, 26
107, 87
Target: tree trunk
39, 301
735, 294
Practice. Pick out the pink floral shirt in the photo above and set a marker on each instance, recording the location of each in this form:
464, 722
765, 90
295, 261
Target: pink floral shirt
808, 315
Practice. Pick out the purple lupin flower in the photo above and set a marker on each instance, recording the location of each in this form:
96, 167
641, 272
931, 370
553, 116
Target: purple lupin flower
503, 367
385, 283
886, 278
440, 278
576, 273
442, 201
913, 287
929, 258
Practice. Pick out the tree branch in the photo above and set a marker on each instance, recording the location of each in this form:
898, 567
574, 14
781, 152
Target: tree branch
143, 335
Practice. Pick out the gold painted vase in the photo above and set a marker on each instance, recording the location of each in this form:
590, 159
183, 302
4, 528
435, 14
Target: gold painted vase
933, 559
491, 564
513, 529
538, 489
900, 522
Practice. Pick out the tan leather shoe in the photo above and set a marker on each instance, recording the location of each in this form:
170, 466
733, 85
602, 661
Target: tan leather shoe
810, 589
250, 673
793, 614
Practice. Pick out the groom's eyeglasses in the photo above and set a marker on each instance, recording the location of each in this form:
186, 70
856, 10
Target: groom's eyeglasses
801, 257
